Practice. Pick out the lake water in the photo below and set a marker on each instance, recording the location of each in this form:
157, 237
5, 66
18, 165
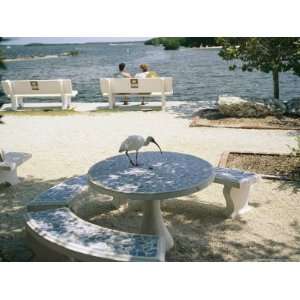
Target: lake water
199, 74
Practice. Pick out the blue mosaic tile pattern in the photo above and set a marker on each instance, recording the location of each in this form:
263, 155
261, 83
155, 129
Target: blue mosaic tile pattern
62, 193
169, 172
74, 233
234, 175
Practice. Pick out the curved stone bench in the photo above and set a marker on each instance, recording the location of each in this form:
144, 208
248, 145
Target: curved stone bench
63, 232
236, 189
55, 233
60, 195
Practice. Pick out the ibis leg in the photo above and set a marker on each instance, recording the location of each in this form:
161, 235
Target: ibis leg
132, 163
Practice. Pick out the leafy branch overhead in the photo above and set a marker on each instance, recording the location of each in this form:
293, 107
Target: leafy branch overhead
273, 55
2, 65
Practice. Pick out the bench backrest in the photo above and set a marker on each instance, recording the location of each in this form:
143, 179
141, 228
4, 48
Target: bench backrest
37, 87
136, 86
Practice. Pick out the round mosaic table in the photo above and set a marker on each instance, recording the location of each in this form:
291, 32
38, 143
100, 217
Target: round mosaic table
159, 176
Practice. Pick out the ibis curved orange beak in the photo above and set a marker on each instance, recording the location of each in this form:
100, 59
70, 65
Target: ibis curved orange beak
154, 142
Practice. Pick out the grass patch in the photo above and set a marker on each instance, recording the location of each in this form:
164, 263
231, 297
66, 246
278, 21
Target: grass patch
59, 112
127, 108
40, 112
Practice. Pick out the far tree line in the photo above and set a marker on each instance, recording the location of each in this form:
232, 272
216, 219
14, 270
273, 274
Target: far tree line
173, 43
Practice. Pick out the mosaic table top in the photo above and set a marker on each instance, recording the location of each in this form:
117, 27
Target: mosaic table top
159, 176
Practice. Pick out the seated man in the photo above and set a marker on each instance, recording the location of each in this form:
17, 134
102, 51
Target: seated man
123, 74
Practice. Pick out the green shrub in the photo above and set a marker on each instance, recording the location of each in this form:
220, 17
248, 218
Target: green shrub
74, 53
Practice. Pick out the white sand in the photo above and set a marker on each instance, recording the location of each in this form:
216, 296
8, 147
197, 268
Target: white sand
64, 146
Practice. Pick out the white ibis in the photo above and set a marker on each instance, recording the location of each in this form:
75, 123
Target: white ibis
135, 143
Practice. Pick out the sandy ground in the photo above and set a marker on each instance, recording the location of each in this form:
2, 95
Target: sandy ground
63, 146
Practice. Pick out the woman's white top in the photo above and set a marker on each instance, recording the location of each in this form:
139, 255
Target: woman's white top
141, 75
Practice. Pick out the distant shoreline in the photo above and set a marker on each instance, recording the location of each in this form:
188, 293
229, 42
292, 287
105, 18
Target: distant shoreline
31, 58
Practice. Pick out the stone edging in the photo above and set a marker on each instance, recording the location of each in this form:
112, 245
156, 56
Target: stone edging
241, 127
224, 157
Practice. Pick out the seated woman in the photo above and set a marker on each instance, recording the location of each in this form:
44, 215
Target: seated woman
145, 74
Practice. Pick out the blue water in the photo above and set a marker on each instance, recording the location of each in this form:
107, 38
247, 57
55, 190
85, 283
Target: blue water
199, 74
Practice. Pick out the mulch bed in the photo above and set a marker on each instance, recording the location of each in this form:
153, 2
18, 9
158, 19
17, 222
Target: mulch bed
270, 165
213, 118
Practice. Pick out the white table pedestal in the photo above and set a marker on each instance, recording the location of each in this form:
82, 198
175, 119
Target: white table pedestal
153, 222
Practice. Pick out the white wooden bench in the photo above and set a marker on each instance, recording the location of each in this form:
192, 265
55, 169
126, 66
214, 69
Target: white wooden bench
8, 167
62, 232
60, 195
16, 90
148, 87
236, 189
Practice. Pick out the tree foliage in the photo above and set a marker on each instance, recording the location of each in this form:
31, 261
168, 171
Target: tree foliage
2, 65
171, 44
273, 55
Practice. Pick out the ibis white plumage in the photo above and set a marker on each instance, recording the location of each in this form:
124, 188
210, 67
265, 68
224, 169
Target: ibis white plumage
135, 143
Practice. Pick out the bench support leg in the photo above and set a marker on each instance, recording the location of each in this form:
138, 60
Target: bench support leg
68, 101
237, 200
163, 102
20, 102
153, 222
14, 103
9, 176
65, 102
112, 101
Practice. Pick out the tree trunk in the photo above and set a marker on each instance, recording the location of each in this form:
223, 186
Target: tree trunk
276, 84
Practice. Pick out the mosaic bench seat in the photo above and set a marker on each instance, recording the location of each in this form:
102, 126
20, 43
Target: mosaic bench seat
236, 189
60, 195
65, 233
